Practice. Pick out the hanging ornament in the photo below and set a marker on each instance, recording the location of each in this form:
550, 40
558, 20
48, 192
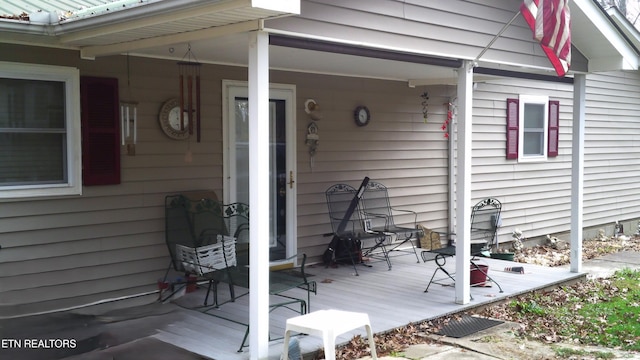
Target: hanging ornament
451, 109
425, 105
190, 71
129, 117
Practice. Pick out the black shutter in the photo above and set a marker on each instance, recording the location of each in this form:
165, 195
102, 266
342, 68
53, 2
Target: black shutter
512, 128
100, 131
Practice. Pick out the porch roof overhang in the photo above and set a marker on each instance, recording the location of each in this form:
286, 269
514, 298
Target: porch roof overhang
129, 25
598, 38
624, 26
216, 31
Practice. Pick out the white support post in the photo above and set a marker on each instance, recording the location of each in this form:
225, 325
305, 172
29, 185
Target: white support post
259, 194
577, 171
463, 183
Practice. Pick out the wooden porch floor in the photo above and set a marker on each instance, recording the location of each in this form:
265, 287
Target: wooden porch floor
392, 298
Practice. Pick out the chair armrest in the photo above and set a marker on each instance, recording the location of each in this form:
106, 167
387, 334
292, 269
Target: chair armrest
368, 217
415, 214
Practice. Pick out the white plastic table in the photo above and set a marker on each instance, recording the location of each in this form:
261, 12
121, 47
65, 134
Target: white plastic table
328, 324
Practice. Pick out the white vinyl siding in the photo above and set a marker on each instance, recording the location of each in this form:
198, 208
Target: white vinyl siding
612, 149
452, 28
535, 196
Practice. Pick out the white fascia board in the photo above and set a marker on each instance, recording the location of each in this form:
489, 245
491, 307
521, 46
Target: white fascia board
606, 63
629, 30
603, 24
287, 6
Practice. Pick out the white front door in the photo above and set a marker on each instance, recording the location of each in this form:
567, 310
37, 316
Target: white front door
282, 174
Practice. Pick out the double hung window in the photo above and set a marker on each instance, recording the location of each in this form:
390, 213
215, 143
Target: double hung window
39, 144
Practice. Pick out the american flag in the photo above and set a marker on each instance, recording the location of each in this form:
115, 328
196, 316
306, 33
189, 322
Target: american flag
550, 22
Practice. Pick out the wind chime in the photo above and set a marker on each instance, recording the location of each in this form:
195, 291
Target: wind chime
189, 89
129, 118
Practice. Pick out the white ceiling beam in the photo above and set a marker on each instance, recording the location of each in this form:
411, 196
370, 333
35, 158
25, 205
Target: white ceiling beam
91, 52
447, 81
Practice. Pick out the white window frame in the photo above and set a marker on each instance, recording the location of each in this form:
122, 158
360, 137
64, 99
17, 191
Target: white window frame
71, 79
537, 100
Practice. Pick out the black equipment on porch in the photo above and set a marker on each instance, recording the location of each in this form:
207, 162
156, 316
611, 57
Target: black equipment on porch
347, 224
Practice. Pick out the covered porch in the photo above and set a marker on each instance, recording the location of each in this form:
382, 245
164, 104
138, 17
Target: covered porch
392, 298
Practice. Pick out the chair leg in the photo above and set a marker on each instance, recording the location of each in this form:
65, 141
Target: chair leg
413, 246
244, 339
383, 248
232, 290
385, 253
440, 261
434, 275
212, 288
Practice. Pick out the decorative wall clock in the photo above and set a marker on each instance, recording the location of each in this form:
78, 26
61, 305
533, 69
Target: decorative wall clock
171, 123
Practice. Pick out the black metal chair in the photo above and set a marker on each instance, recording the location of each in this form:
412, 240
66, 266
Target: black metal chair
485, 217
346, 220
379, 217
201, 237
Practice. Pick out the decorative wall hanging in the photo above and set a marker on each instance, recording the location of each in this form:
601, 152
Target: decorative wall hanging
362, 115
129, 118
312, 108
312, 139
425, 105
189, 89
170, 120
451, 113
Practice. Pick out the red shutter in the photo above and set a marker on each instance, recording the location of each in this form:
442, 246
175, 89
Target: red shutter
554, 125
512, 128
100, 131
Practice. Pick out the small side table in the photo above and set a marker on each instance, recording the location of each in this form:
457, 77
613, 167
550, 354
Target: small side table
328, 324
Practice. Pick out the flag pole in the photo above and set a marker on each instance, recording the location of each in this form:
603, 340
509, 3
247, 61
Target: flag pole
504, 28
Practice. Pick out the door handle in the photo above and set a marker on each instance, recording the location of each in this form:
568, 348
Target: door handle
291, 181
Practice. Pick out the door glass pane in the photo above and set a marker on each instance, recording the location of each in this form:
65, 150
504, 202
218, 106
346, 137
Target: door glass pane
277, 169
242, 151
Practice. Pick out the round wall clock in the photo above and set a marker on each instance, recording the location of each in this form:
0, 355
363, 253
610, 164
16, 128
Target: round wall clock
169, 119
362, 115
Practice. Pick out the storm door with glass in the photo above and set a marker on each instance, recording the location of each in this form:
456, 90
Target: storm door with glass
281, 161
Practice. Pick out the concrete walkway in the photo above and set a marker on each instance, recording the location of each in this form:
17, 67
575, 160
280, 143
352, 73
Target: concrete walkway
470, 348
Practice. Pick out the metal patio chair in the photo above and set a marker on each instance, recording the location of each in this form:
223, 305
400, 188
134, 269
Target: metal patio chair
348, 233
379, 217
201, 237
485, 217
